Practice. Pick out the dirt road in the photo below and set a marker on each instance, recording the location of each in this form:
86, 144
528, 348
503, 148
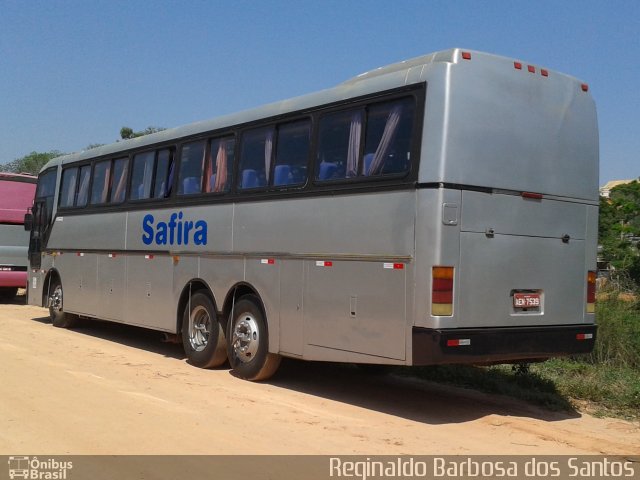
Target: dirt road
113, 389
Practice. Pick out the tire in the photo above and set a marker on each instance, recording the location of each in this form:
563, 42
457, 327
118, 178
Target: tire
59, 318
8, 293
248, 341
202, 336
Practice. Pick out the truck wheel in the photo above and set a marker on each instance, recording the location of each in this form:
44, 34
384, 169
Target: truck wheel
202, 336
248, 341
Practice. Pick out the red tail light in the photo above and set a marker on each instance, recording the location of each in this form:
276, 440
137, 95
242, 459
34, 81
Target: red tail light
442, 291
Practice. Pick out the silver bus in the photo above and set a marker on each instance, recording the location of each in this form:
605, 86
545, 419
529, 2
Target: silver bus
439, 210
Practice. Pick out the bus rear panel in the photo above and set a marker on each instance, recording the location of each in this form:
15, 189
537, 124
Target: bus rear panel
510, 202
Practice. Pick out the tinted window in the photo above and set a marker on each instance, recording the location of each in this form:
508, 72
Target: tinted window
83, 187
119, 182
292, 154
164, 177
68, 190
339, 145
191, 168
255, 158
46, 184
219, 169
100, 185
142, 175
388, 139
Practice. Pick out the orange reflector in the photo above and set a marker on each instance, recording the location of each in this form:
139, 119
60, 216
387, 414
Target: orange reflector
591, 291
442, 291
466, 55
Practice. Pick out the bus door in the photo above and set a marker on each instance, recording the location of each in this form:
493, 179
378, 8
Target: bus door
38, 230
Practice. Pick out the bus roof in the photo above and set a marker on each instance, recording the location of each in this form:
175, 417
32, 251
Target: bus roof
16, 196
398, 74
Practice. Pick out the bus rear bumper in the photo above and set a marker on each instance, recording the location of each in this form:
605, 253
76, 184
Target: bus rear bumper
500, 345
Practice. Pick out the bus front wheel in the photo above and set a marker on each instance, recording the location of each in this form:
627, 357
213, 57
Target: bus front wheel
202, 336
248, 341
59, 318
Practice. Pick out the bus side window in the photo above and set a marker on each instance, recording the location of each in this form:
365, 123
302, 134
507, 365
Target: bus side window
255, 158
141, 176
68, 189
83, 187
100, 186
292, 153
163, 177
339, 145
388, 138
119, 180
219, 168
191, 168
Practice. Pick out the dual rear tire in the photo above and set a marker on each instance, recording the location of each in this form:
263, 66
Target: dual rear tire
245, 343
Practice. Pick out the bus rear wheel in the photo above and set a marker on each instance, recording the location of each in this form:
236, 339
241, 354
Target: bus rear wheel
248, 341
59, 318
202, 336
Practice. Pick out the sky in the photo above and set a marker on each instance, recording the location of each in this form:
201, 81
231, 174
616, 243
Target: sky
72, 73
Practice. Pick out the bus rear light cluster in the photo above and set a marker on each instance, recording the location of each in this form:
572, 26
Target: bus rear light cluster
591, 291
442, 291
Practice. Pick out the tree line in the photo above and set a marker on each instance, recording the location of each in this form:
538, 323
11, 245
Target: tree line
34, 161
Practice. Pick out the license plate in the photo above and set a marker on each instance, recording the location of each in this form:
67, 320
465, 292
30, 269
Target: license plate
526, 300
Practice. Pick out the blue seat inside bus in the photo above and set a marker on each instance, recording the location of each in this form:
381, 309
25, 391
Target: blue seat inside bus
282, 175
327, 170
190, 185
250, 179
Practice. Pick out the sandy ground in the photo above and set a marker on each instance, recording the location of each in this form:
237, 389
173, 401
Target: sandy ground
114, 389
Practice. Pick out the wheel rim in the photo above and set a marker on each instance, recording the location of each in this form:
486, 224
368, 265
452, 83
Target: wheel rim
246, 338
56, 300
199, 328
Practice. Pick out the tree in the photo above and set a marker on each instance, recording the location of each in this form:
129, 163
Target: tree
31, 163
127, 133
619, 229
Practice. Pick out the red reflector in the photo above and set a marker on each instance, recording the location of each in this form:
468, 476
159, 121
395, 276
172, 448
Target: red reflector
268, 261
584, 336
536, 196
585, 87
531, 69
517, 65
398, 266
458, 342
466, 55
545, 73
149, 257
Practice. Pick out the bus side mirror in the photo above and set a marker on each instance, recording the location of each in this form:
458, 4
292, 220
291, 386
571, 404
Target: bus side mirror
28, 222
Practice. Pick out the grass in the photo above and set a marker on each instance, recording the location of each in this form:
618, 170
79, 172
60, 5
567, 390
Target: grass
605, 382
